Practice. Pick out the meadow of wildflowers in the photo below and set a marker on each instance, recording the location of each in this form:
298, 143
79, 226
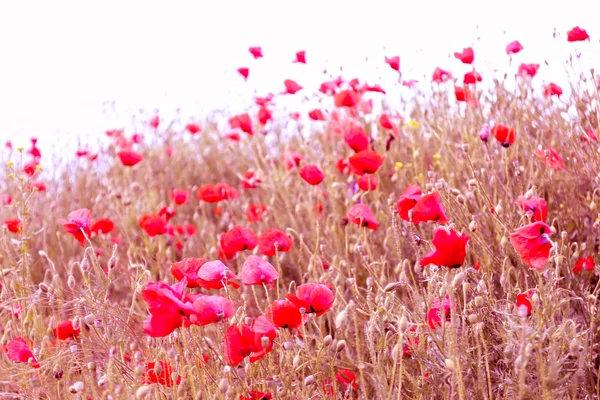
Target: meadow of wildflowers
351, 251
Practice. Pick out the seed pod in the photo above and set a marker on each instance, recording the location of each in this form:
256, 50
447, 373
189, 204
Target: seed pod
143, 391
223, 385
76, 387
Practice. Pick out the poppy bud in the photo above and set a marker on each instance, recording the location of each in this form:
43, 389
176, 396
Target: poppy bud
264, 342
89, 319
143, 391
286, 345
403, 324
472, 182
461, 199
473, 226
340, 319
71, 282
327, 340
91, 366
139, 369
296, 361
76, 387
223, 385
473, 318
593, 205
341, 345
450, 364
158, 368
309, 380
479, 301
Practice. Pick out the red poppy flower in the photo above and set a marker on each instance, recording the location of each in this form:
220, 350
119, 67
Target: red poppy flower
450, 249
7, 200
300, 57
367, 182
535, 206
589, 135
216, 275
211, 309
188, 268
316, 115
18, 351
408, 199
165, 377
263, 101
385, 122
513, 47
166, 212
523, 301
343, 166
291, 87
577, 35
264, 115
551, 158
166, 307
361, 215
462, 94
30, 168
356, 138
365, 162
273, 241
531, 242
78, 224
244, 71
14, 225
466, 56
193, 128
255, 212
37, 186
314, 298
153, 224
346, 98
64, 330
346, 379
256, 52
129, 158
240, 344
429, 208
243, 122
328, 88
284, 314
256, 271
238, 239
104, 226
552, 89
291, 159
179, 197
209, 193
312, 174
472, 78
393, 62
584, 264
372, 88
504, 134
528, 70
434, 315
439, 75
154, 121
256, 395
249, 180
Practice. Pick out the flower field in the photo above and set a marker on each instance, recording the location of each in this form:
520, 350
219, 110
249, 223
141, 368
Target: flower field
442, 250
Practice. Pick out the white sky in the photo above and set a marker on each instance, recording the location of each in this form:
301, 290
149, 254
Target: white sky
60, 60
